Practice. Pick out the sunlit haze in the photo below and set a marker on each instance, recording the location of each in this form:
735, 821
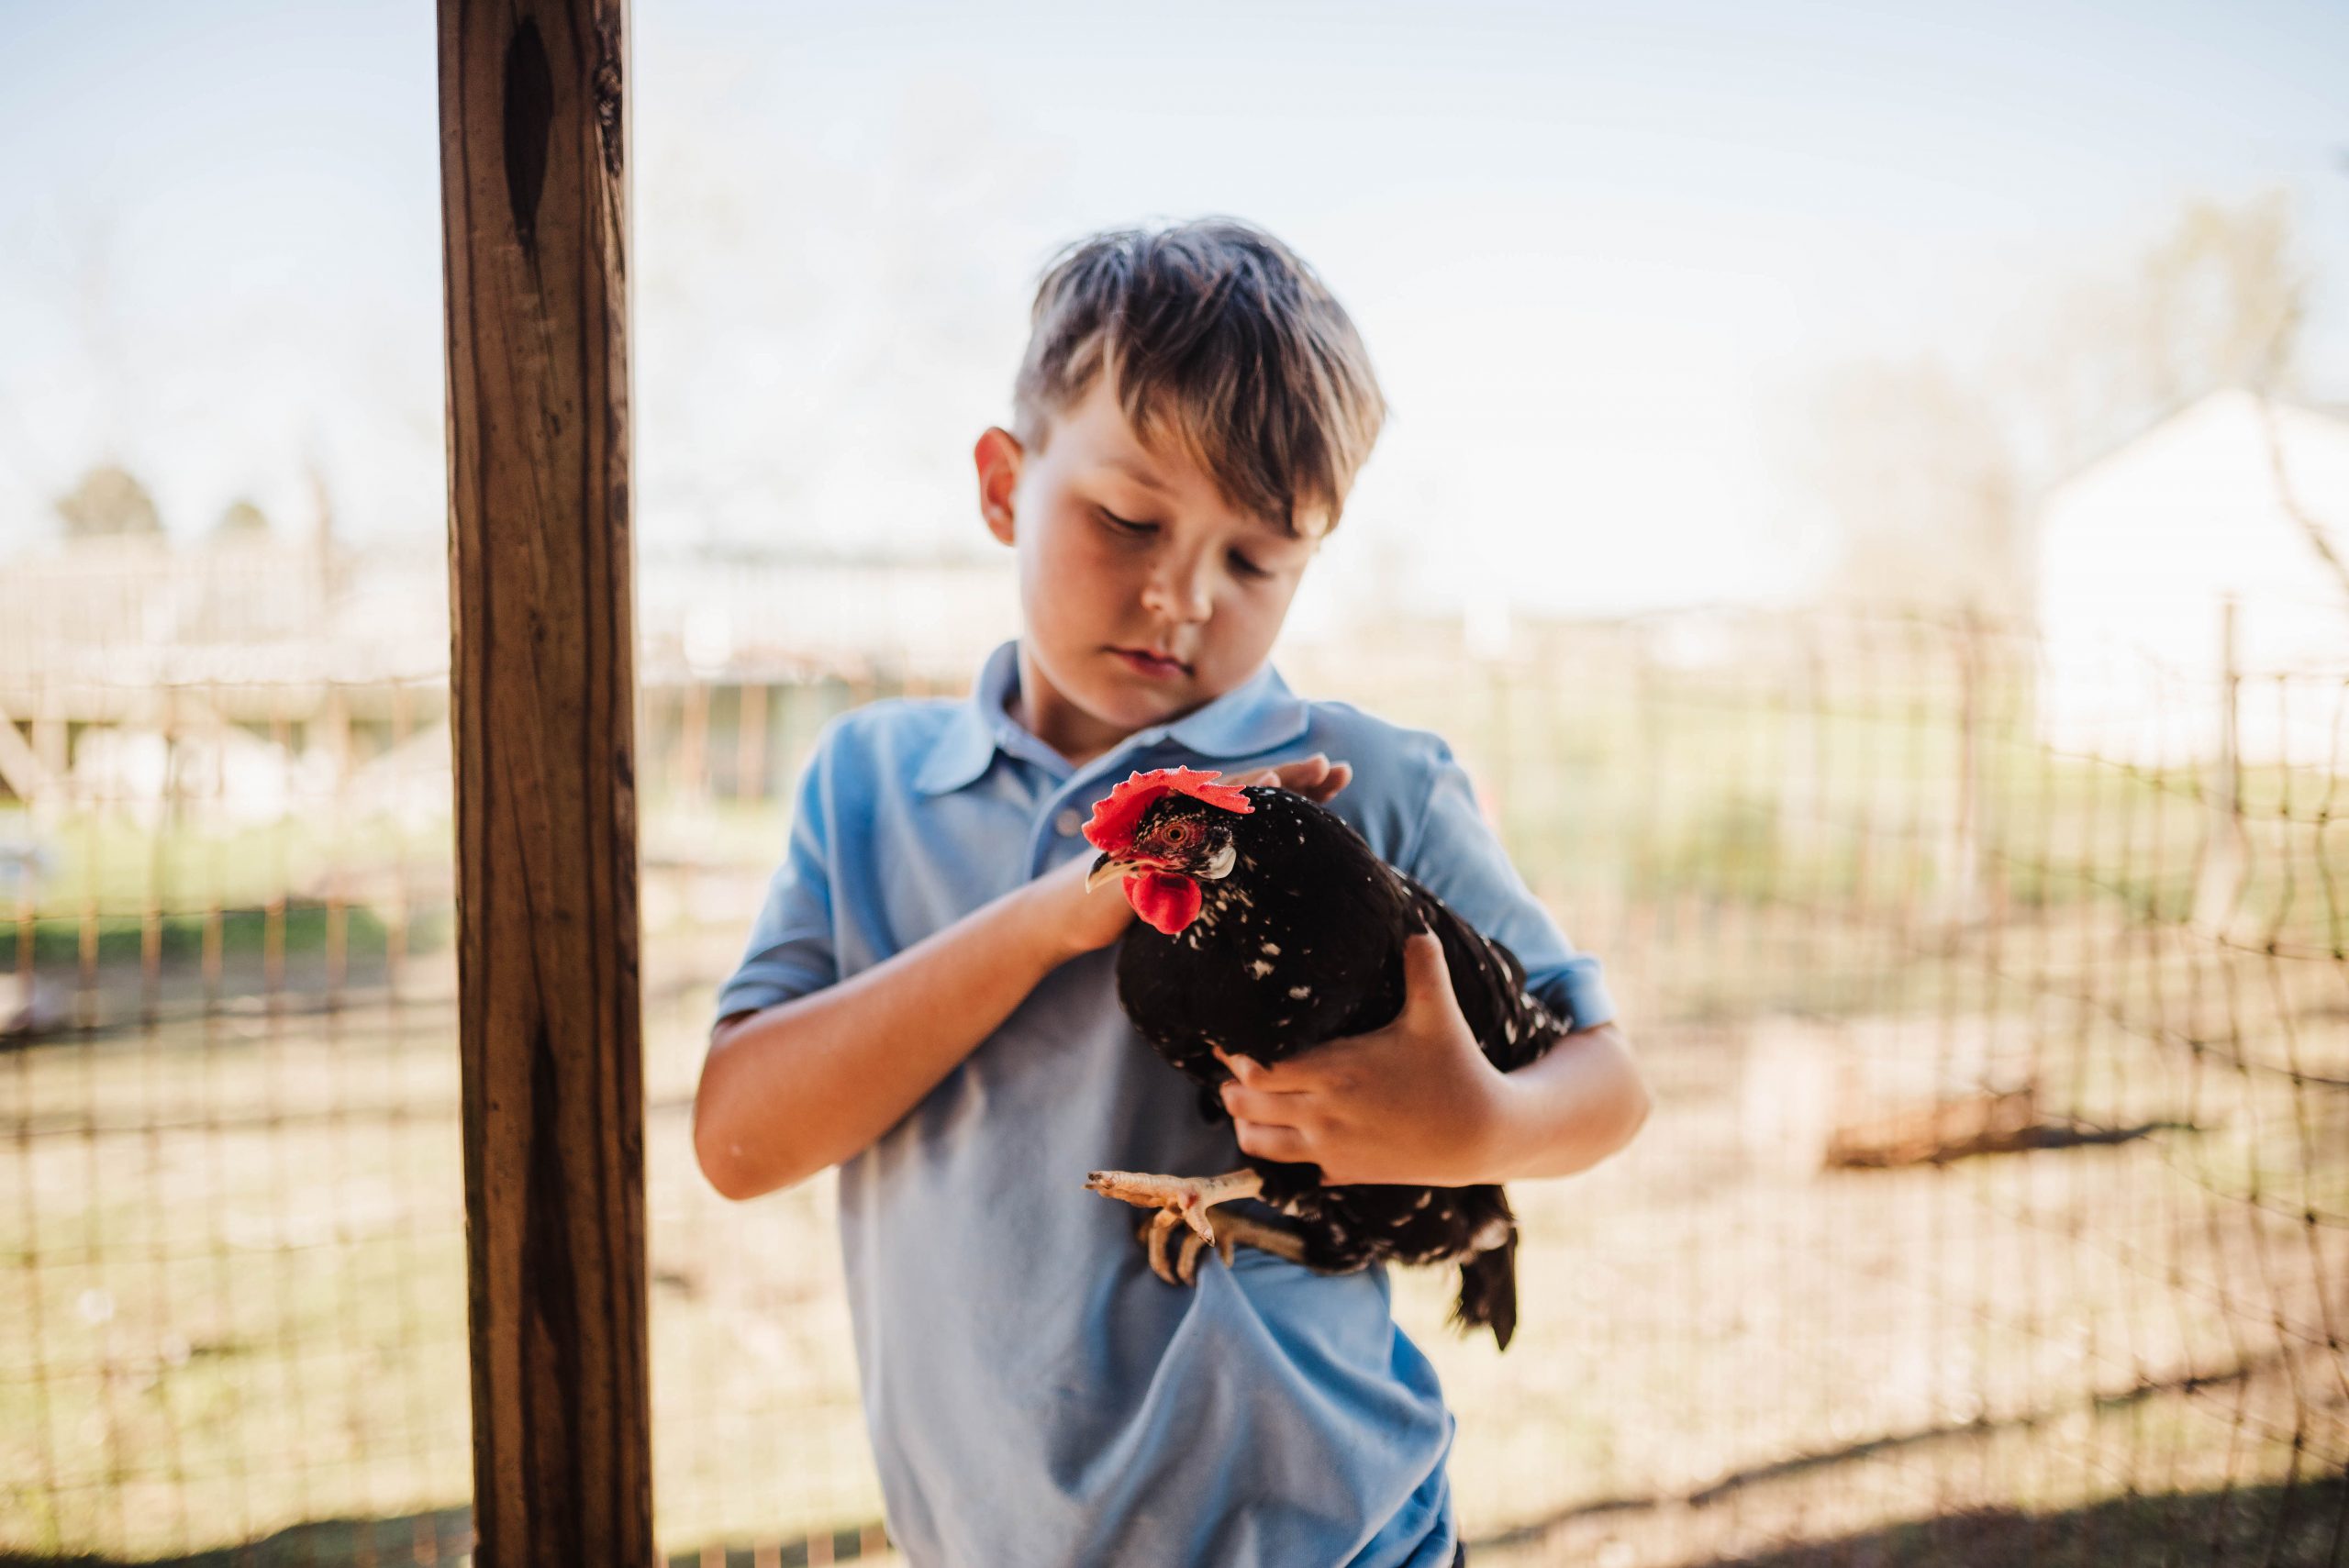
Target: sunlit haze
1604, 256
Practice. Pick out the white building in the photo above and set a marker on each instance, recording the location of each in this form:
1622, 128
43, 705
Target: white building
2233, 499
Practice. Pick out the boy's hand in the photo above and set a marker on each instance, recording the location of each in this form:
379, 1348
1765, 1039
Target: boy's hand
1316, 777
1416, 1102
1077, 922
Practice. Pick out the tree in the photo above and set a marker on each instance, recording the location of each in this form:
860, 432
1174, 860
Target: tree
1927, 475
241, 519
2217, 301
109, 501
1918, 477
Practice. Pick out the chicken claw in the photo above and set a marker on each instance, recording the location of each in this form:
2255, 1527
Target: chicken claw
1231, 1231
1152, 1236
1187, 1198
1239, 1227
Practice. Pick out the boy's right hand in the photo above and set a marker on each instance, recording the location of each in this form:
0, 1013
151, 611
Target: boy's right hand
1077, 922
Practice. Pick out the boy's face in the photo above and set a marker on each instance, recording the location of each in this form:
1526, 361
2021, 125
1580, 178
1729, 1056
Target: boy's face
1127, 550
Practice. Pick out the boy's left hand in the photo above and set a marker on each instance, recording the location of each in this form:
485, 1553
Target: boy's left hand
1415, 1102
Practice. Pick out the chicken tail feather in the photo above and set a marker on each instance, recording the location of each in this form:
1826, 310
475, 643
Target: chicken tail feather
1488, 1291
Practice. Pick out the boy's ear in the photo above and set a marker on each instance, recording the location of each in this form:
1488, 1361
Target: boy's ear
998, 456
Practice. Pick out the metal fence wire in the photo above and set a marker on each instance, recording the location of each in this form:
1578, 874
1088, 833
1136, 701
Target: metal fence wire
1995, 1208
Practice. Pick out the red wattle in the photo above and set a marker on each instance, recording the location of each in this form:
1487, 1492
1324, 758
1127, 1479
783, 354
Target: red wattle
1167, 901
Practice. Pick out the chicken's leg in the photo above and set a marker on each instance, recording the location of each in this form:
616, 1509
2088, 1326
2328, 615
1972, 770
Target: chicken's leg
1186, 1198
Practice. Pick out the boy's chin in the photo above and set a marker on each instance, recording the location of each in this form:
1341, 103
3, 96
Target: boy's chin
1128, 711
1129, 708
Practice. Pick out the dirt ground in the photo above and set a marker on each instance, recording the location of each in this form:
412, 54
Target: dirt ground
232, 1302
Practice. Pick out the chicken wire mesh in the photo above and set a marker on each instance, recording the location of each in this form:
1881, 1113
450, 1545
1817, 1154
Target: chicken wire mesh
1992, 1211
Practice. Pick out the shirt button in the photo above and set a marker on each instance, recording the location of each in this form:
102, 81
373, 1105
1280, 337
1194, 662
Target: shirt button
1068, 821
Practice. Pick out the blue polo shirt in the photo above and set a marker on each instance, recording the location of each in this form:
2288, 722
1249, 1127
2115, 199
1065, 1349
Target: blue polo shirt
1035, 1396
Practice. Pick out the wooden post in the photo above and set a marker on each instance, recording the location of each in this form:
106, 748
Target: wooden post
534, 210
1959, 874
693, 740
2218, 880
751, 742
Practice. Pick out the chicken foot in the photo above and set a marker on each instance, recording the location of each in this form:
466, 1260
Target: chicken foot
1230, 1231
1185, 1200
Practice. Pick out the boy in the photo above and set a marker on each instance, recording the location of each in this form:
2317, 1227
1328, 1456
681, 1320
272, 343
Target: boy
928, 997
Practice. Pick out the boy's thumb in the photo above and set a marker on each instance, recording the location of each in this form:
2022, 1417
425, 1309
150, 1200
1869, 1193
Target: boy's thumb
1427, 979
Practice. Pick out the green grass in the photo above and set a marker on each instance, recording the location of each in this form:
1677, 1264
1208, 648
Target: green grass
296, 927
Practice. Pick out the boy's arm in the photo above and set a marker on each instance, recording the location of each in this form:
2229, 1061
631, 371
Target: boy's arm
1416, 1101
795, 1087
792, 1088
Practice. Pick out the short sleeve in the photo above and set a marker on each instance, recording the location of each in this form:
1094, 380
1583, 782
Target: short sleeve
1458, 858
791, 951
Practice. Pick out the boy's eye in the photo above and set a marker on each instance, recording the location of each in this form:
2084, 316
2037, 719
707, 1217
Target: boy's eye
1247, 567
1127, 524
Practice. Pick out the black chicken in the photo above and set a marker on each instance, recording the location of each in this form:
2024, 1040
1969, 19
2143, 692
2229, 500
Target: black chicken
1273, 929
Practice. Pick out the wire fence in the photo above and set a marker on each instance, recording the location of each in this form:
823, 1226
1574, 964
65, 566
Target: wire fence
1996, 1206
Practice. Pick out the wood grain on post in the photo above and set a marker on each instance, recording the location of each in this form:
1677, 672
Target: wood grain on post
534, 206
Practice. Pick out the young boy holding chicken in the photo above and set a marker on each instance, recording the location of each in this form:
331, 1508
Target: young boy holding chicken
928, 1000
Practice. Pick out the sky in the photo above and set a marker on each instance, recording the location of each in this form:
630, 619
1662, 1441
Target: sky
1602, 254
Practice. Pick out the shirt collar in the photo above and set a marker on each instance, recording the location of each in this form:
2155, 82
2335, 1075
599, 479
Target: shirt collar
1252, 718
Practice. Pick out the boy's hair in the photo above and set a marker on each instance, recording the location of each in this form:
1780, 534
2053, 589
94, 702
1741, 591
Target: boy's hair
1215, 332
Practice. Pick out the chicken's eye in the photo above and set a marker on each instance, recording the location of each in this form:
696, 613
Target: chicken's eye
1175, 833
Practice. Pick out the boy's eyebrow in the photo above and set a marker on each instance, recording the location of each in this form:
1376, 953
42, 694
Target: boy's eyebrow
1137, 474
1261, 522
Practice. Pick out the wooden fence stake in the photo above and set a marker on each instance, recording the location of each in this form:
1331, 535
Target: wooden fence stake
535, 219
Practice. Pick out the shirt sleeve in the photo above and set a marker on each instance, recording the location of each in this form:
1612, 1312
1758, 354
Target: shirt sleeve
1460, 859
791, 951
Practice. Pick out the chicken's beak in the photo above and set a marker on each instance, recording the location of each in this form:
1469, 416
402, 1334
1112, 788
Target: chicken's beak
1108, 868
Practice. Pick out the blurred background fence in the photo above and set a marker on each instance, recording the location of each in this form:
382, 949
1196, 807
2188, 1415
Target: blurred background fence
1996, 1206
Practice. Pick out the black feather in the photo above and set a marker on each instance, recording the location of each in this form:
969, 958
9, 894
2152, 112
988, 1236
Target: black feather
1299, 943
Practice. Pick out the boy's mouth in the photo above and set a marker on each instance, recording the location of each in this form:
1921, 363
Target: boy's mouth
1148, 663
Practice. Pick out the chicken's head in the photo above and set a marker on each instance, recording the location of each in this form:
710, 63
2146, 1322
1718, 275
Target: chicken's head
1165, 832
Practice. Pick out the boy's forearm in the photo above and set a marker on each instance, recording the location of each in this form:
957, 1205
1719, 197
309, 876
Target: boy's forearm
1570, 1109
787, 1091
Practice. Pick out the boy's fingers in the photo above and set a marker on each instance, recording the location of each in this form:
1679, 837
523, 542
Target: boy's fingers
1259, 1106
1427, 979
1300, 775
1280, 1078
1267, 1143
1341, 774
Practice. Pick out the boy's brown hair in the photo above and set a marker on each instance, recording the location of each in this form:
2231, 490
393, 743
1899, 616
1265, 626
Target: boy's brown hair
1212, 331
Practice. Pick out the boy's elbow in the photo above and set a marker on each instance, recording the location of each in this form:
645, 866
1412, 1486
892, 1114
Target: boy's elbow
719, 1145
718, 1153
733, 1172
1636, 1099
1631, 1101
726, 1176
1638, 1103
744, 1122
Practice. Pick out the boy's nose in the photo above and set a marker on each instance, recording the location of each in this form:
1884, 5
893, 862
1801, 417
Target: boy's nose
1178, 595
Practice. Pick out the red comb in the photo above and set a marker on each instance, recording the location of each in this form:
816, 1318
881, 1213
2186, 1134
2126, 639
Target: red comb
1116, 816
